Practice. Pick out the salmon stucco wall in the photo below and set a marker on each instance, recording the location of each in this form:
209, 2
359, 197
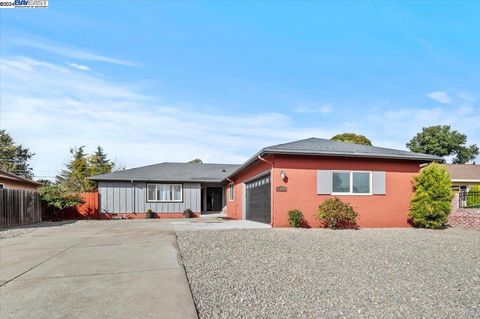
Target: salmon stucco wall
235, 207
389, 210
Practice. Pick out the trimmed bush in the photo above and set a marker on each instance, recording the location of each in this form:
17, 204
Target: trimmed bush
432, 202
473, 201
295, 218
333, 213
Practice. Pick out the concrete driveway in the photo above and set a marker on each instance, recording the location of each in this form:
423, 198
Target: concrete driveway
98, 269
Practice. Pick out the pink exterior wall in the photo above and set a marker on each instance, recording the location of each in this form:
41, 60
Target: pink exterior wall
390, 210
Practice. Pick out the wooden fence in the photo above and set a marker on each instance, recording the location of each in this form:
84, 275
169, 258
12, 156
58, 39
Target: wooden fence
20, 207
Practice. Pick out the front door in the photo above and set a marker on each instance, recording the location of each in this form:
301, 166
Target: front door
214, 199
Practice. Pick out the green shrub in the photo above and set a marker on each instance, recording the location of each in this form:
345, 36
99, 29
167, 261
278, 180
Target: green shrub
149, 213
59, 197
473, 201
432, 201
333, 213
295, 218
188, 213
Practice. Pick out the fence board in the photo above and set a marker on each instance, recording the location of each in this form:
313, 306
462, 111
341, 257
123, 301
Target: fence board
20, 207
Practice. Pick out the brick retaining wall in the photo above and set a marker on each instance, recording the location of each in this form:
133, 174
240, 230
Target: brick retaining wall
464, 217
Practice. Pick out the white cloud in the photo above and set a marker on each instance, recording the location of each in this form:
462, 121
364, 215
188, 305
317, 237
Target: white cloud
71, 52
49, 108
304, 109
440, 97
80, 67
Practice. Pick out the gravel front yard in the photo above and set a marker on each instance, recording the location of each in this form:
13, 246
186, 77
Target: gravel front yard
287, 273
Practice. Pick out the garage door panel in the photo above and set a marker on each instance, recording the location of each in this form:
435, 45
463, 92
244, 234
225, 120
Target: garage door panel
258, 200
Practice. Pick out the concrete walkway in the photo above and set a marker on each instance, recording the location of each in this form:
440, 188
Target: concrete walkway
215, 222
98, 269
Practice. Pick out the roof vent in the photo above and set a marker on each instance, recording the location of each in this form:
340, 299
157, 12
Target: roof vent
223, 170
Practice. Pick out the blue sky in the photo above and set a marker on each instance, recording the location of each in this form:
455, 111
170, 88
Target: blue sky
172, 81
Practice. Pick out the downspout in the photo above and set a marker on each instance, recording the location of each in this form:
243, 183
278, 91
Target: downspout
272, 176
133, 189
235, 198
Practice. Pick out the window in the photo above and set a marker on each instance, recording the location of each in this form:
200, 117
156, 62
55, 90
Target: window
231, 189
341, 182
164, 192
351, 183
1, 186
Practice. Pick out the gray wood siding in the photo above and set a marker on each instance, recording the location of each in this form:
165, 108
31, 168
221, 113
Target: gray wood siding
122, 197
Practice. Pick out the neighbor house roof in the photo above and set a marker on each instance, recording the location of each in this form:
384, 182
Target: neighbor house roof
325, 147
174, 172
16, 178
463, 172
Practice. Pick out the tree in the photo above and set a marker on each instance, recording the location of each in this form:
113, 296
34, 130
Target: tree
75, 175
14, 158
196, 161
352, 138
78, 169
440, 140
99, 163
432, 201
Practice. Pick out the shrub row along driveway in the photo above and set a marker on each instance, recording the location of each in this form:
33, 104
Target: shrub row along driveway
387, 273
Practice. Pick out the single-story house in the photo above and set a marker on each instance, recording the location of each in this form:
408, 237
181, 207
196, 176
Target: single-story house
12, 181
464, 176
376, 181
166, 188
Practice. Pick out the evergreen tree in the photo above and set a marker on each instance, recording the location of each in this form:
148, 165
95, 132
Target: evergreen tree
75, 175
14, 158
99, 163
81, 166
432, 202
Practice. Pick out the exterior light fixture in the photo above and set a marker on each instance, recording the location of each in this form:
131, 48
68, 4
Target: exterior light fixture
283, 176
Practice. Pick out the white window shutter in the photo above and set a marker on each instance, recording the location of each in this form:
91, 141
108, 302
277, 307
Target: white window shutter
324, 182
379, 183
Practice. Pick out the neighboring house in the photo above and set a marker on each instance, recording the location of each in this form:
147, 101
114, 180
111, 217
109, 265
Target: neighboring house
376, 181
463, 176
12, 181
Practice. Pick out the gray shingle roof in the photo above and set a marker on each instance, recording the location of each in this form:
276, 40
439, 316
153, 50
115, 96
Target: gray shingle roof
174, 172
189, 172
324, 147
463, 171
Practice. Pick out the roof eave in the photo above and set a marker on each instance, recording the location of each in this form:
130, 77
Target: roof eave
333, 154
153, 180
